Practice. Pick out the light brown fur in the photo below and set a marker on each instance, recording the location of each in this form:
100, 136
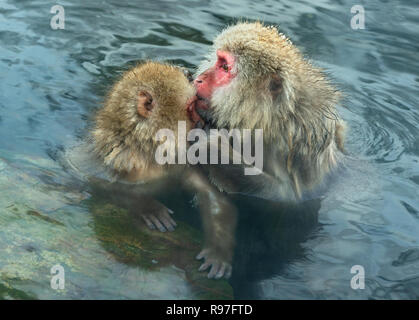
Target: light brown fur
302, 131
126, 141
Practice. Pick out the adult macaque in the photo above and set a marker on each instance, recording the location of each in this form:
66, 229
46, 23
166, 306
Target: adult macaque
125, 139
255, 78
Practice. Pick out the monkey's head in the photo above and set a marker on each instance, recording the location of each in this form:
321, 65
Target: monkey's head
149, 97
249, 64
253, 76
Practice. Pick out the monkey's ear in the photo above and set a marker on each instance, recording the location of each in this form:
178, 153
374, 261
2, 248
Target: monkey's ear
275, 86
145, 104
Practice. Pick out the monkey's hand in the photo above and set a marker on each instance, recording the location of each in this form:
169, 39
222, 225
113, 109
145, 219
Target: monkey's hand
219, 266
219, 221
139, 205
156, 215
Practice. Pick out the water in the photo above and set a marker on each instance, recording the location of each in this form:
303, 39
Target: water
52, 80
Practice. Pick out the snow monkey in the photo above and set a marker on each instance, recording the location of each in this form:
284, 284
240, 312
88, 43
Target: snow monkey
255, 78
150, 97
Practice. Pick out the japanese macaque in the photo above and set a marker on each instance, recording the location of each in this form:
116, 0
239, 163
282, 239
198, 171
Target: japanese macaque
125, 139
255, 78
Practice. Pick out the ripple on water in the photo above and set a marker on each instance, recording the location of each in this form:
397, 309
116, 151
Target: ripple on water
52, 80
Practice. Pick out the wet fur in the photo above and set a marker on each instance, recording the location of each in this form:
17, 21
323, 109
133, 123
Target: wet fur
303, 135
124, 140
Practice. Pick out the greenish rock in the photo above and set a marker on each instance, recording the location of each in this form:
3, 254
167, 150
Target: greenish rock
8, 293
134, 244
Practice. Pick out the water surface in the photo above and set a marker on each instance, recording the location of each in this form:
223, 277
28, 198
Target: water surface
52, 80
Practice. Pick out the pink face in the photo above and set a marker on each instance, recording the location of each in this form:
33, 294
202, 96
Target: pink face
217, 76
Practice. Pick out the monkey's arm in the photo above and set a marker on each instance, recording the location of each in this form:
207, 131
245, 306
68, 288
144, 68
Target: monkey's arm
232, 179
219, 222
242, 178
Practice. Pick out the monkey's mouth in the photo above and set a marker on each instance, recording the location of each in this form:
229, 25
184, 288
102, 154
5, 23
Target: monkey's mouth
202, 108
191, 110
201, 103
198, 110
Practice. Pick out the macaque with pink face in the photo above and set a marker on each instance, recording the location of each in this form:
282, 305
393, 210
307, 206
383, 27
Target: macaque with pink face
255, 78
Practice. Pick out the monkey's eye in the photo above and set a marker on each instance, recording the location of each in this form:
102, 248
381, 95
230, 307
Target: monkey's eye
187, 74
225, 67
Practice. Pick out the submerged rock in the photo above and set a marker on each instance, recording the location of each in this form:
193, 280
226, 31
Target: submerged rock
45, 222
134, 244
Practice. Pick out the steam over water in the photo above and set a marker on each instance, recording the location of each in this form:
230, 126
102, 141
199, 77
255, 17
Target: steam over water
52, 80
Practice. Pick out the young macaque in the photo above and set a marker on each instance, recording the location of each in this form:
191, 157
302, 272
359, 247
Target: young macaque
255, 78
148, 98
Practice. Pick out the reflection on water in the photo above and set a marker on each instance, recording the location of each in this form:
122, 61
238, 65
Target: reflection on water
52, 80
